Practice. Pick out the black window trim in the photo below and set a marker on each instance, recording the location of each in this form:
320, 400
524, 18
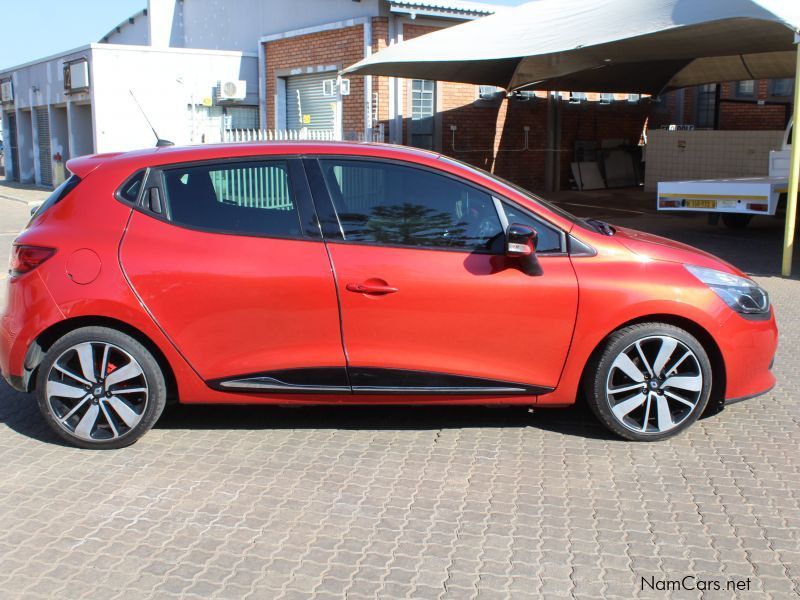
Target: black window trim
303, 201
322, 196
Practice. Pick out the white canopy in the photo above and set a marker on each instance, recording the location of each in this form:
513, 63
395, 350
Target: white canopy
643, 46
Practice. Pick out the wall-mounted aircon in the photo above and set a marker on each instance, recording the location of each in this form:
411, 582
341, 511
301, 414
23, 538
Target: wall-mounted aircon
232, 90
6, 91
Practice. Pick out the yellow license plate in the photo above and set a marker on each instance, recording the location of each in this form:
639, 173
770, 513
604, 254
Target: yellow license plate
701, 204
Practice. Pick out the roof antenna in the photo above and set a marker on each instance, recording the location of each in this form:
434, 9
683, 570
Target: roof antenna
159, 142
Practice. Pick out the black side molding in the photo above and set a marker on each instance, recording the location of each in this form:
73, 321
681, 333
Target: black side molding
320, 380
372, 381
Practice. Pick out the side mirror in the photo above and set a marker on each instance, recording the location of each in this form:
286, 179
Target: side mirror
520, 240
521, 244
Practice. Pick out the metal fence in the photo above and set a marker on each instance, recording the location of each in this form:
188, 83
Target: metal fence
375, 134
277, 135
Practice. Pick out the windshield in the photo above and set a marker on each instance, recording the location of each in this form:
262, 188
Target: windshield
533, 197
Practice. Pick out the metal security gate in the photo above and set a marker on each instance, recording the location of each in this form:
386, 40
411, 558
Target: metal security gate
307, 106
13, 149
43, 140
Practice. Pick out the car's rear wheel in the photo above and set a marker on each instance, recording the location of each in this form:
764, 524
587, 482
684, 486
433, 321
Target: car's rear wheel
649, 382
100, 388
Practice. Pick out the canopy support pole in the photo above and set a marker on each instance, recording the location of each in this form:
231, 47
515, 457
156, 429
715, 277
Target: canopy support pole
794, 174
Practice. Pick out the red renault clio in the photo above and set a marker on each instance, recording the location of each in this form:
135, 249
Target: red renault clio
325, 273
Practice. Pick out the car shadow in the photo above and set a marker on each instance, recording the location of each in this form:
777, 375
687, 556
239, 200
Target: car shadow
20, 413
574, 421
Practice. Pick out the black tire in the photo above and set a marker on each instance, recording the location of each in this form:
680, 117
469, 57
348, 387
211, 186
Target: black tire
598, 382
736, 220
151, 378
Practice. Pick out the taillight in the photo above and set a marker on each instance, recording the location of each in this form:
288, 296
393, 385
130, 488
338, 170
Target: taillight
669, 203
25, 259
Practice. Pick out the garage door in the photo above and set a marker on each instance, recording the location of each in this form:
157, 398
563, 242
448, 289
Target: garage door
12, 148
306, 105
43, 141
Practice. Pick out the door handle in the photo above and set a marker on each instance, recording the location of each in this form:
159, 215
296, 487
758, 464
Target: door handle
371, 288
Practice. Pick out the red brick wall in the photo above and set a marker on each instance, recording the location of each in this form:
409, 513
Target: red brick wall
488, 135
341, 47
734, 113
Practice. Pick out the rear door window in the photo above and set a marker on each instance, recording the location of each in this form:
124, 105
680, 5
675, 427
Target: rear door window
245, 198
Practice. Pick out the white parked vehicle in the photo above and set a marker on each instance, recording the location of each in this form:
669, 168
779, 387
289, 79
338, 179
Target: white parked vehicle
736, 200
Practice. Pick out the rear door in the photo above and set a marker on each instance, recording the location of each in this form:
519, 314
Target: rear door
227, 257
430, 303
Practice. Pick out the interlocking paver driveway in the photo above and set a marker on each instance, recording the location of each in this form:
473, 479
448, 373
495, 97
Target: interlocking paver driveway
355, 503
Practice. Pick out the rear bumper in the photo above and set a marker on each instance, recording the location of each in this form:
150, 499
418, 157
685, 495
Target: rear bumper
29, 310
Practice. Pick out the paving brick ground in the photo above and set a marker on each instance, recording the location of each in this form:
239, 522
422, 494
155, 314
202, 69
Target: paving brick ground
415, 503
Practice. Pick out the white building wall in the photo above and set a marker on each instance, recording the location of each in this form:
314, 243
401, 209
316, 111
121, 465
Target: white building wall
239, 25
41, 83
130, 33
166, 83
165, 23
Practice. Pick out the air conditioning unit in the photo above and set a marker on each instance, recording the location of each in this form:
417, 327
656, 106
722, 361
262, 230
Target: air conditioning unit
6, 91
232, 90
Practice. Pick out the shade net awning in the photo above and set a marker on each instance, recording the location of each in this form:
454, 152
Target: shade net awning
640, 46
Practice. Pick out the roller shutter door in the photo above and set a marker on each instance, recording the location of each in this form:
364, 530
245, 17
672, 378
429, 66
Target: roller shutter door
306, 105
43, 140
12, 148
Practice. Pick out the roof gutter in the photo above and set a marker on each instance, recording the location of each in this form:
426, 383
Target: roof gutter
415, 10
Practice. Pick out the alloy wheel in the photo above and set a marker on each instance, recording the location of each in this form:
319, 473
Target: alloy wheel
654, 384
97, 391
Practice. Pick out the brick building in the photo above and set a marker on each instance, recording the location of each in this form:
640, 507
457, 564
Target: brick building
476, 124
744, 105
283, 60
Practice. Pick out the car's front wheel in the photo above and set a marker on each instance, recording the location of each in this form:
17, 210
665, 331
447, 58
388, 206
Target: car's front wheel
649, 382
100, 388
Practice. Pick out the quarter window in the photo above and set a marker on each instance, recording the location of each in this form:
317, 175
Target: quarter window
391, 204
131, 188
249, 198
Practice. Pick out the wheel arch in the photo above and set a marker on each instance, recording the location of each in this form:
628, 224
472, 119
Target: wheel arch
49, 336
718, 373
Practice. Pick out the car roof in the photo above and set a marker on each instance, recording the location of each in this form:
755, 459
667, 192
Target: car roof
166, 155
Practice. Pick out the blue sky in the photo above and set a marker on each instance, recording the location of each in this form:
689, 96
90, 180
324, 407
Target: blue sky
44, 27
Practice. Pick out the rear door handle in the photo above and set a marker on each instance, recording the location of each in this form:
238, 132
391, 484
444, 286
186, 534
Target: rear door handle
371, 288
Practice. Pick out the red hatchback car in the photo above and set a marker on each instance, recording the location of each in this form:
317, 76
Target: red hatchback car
311, 273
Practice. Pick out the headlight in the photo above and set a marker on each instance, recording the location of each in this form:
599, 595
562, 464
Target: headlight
741, 294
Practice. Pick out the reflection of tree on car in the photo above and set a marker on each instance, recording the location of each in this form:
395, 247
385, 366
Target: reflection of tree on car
409, 225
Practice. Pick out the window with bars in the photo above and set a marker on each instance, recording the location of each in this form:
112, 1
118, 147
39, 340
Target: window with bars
423, 109
745, 89
705, 115
781, 87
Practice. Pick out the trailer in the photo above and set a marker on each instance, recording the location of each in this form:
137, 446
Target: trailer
735, 200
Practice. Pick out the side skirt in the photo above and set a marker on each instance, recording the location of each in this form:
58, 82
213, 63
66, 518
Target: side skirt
372, 381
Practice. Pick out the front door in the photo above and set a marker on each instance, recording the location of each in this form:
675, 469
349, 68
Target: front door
429, 301
229, 268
